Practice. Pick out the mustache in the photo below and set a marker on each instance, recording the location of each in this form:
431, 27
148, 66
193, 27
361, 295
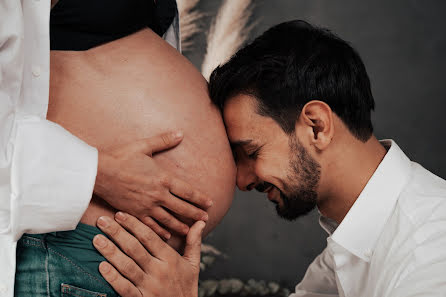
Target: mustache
263, 186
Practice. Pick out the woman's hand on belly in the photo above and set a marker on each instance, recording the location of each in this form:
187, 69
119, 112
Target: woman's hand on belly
131, 181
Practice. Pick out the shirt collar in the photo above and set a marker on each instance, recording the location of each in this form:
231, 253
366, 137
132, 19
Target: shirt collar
364, 223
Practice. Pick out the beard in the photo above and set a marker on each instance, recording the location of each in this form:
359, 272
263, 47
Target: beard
303, 178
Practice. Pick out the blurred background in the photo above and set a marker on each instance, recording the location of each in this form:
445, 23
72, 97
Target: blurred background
403, 45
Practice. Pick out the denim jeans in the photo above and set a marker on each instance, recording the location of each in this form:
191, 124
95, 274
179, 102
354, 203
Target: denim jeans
60, 264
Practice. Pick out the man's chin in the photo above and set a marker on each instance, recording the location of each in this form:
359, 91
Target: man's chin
296, 209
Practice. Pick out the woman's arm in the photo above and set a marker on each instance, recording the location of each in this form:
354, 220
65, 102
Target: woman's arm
47, 174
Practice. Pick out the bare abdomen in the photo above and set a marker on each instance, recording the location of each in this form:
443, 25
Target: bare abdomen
137, 87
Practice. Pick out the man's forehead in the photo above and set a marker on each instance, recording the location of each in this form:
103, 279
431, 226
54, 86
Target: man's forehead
239, 106
244, 126
240, 117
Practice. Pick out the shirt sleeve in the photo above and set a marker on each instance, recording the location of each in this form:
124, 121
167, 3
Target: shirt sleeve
320, 279
47, 175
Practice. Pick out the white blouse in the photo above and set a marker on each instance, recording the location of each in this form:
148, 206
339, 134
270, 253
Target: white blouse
47, 175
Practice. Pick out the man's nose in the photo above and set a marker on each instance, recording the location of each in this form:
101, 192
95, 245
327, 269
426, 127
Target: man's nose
246, 178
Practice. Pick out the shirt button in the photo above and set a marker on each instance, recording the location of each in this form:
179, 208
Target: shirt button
36, 71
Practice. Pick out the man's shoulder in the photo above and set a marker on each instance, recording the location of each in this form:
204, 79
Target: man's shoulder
411, 247
424, 197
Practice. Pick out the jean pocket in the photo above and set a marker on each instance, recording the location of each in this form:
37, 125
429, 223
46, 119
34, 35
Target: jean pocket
72, 291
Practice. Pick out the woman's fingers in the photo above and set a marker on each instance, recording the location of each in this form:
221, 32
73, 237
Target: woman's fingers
159, 143
192, 249
126, 266
185, 191
169, 274
163, 233
119, 283
151, 145
169, 221
185, 209
149, 239
126, 242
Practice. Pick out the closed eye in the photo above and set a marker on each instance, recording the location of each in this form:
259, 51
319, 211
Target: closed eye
254, 154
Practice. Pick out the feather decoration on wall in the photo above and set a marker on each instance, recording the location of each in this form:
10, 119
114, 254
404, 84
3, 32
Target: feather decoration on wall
189, 22
227, 33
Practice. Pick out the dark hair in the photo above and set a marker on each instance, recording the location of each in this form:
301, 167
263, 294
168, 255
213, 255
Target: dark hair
291, 64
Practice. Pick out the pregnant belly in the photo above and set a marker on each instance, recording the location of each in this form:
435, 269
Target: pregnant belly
137, 87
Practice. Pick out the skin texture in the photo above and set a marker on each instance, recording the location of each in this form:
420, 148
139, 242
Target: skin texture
138, 87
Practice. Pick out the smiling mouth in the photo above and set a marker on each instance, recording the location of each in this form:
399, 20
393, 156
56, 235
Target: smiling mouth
270, 194
268, 189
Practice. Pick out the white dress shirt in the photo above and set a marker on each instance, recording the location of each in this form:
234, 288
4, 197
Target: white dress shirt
392, 242
46, 174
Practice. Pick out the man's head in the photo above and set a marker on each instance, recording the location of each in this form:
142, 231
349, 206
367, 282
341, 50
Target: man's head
283, 96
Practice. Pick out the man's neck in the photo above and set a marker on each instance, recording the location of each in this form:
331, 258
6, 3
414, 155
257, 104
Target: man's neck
353, 167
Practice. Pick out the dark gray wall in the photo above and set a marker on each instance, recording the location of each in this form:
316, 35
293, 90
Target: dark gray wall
403, 44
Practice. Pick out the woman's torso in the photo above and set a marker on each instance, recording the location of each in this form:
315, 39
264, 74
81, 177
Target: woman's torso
136, 87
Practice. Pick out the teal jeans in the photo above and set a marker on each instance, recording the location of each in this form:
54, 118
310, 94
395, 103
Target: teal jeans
60, 264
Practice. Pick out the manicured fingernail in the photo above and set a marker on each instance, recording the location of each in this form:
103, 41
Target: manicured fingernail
99, 240
178, 134
205, 217
104, 267
103, 222
120, 216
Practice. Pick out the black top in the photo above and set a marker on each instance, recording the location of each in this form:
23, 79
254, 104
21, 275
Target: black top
82, 24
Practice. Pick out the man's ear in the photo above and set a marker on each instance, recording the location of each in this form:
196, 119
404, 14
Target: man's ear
316, 123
